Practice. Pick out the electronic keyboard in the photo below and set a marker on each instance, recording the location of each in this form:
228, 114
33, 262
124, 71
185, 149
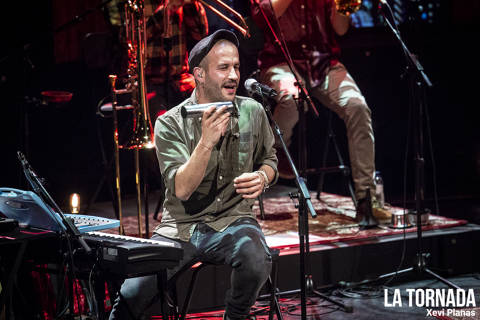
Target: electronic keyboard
131, 256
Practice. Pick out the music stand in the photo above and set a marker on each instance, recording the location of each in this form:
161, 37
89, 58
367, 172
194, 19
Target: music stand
71, 231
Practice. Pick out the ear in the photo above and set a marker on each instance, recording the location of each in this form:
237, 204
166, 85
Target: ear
198, 73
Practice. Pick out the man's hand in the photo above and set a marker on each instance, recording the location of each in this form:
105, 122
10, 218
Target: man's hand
190, 174
249, 185
214, 125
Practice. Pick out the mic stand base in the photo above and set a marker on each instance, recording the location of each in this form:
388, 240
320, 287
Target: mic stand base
418, 103
420, 267
307, 285
305, 207
346, 308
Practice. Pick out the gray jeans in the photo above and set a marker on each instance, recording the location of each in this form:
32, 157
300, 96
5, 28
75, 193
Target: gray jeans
340, 93
241, 245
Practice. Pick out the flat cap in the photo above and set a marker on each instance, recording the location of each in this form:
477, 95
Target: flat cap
203, 47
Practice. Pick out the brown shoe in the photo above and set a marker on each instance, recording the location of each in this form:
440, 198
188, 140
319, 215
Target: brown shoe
382, 214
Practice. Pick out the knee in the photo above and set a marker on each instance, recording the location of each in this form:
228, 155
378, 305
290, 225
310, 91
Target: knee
285, 112
357, 111
285, 101
256, 264
136, 298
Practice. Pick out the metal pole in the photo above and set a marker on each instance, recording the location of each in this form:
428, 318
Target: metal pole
113, 79
139, 191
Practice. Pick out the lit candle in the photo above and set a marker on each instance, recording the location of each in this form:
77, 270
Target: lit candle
74, 203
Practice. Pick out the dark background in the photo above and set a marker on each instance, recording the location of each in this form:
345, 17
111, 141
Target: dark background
69, 144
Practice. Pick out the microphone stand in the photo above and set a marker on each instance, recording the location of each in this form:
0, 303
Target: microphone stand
303, 91
304, 200
305, 207
71, 231
418, 83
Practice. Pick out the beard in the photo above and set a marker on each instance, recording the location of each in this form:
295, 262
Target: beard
214, 92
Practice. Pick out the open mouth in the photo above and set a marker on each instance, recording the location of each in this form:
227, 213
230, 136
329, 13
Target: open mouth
230, 88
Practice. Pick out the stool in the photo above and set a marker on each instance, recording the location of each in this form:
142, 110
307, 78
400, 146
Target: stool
271, 284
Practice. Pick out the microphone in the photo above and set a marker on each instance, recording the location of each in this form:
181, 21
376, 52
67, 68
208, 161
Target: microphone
253, 86
196, 110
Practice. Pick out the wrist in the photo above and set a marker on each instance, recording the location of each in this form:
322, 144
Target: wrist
264, 177
205, 145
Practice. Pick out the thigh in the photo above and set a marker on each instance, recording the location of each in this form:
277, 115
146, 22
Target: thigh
282, 80
242, 240
190, 254
339, 91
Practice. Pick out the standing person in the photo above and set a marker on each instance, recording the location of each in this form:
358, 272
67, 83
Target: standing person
173, 27
214, 168
249, 46
309, 28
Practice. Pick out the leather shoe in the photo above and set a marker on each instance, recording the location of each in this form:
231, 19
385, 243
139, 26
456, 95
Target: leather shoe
380, 214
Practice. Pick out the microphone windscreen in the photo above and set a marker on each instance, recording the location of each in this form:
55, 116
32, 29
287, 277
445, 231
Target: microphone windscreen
249, 84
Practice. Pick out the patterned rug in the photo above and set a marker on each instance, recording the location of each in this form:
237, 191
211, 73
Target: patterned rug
334, 222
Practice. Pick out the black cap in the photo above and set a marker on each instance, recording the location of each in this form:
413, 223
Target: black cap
203, 47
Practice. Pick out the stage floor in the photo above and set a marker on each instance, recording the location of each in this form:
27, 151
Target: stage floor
279, 220
339, 253
367, 302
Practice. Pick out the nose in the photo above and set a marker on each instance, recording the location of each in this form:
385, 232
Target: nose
233, 74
